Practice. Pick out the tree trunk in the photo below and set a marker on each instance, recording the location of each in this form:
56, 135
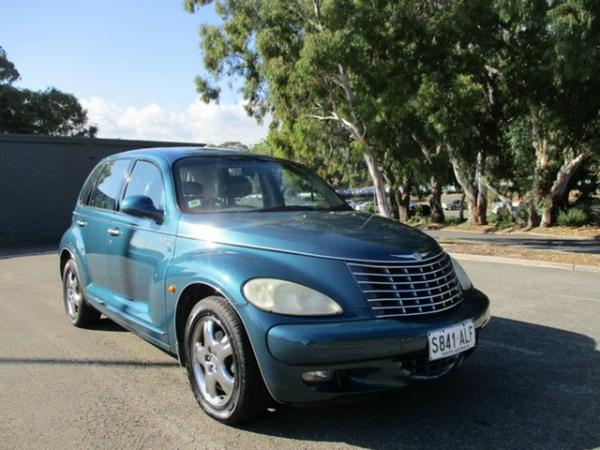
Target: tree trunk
482, 208
540, 146
394, 200
470, 191
435, 201
532, 215
404, 204
557, 191
461, 211
378, 184
481, 190
547, 215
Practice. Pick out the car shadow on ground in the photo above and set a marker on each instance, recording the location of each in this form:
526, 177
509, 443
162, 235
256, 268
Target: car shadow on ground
527, 386
105, 324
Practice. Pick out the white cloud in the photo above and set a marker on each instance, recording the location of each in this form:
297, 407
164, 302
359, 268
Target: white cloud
200, 122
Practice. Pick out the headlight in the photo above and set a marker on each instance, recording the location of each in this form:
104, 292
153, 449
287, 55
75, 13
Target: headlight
285, 297
462, 276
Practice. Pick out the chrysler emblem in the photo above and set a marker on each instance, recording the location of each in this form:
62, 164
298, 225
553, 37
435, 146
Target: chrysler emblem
416, 256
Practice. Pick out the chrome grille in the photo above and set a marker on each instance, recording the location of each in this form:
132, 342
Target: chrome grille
408, 288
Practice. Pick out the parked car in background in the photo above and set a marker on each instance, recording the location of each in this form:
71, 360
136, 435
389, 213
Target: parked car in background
452, 205
262, 281
515, 204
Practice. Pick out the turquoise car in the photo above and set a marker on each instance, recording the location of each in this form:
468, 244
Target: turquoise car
262, 281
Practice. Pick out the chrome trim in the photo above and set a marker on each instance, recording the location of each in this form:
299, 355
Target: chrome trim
388, 316
400, 264
404, 291
424, 305
401, 282
388, 267
413, 294
409, 282
114, 231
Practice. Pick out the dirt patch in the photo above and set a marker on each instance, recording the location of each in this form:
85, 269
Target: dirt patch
585, 232
473, 228
514, 251
588, 231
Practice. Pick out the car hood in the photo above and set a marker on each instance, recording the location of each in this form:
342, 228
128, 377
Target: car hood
344, 235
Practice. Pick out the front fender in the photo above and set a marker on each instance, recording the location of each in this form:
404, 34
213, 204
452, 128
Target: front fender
226, 269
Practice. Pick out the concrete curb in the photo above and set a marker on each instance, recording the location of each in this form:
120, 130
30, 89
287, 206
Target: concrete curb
526, 262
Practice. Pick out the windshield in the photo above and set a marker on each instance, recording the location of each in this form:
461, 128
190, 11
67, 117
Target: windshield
239, 183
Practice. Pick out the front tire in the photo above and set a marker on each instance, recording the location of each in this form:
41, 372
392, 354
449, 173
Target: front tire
220, 364
79, 312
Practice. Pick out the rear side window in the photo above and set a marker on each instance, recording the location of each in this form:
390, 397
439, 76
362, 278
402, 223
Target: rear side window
109, 184
84, 196
146, 180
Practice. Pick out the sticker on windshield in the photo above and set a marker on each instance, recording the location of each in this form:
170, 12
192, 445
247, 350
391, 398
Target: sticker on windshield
194, 203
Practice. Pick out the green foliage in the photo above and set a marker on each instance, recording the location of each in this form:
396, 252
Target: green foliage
572, 217
8, 71
453, 220
235, 145
370, 208
49, 112
506, 88
503, 219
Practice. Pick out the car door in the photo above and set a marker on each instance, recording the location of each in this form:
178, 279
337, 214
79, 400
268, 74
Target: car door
139, 253
93, 218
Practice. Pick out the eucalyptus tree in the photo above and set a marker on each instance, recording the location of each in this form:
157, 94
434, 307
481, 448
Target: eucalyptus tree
320, 145
337, 61
457, 102
548, 68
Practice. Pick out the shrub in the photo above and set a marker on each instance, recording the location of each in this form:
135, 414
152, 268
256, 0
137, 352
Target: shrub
453, 220
503, 218
573, 217
370, 208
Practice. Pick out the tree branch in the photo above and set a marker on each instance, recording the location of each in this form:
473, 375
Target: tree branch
424, 149
468, 187
504, 199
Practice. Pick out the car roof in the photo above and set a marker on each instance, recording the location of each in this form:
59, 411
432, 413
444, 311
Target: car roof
172, 154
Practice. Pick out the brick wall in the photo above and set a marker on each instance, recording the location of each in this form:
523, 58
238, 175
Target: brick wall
40, 178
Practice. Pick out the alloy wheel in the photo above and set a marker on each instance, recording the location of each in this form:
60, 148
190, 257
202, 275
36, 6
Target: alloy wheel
213, 363
74, 295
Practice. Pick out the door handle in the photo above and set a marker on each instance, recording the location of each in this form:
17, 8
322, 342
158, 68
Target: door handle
81, 223
114, 231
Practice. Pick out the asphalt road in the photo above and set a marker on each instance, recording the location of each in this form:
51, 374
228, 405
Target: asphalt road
531, 241
533, 383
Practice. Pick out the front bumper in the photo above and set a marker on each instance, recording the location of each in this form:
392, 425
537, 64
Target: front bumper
367, 355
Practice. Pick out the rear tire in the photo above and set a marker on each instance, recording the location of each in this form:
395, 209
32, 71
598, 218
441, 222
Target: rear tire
220, 363
79, 312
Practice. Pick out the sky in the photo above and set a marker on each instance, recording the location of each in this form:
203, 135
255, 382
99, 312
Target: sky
131, 63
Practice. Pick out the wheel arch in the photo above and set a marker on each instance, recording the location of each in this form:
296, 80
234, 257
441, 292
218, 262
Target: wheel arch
65, 255
192, 294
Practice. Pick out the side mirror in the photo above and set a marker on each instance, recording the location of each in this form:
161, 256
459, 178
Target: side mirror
142, 206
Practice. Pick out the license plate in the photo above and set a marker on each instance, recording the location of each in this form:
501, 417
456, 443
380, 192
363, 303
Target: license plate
451, 340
